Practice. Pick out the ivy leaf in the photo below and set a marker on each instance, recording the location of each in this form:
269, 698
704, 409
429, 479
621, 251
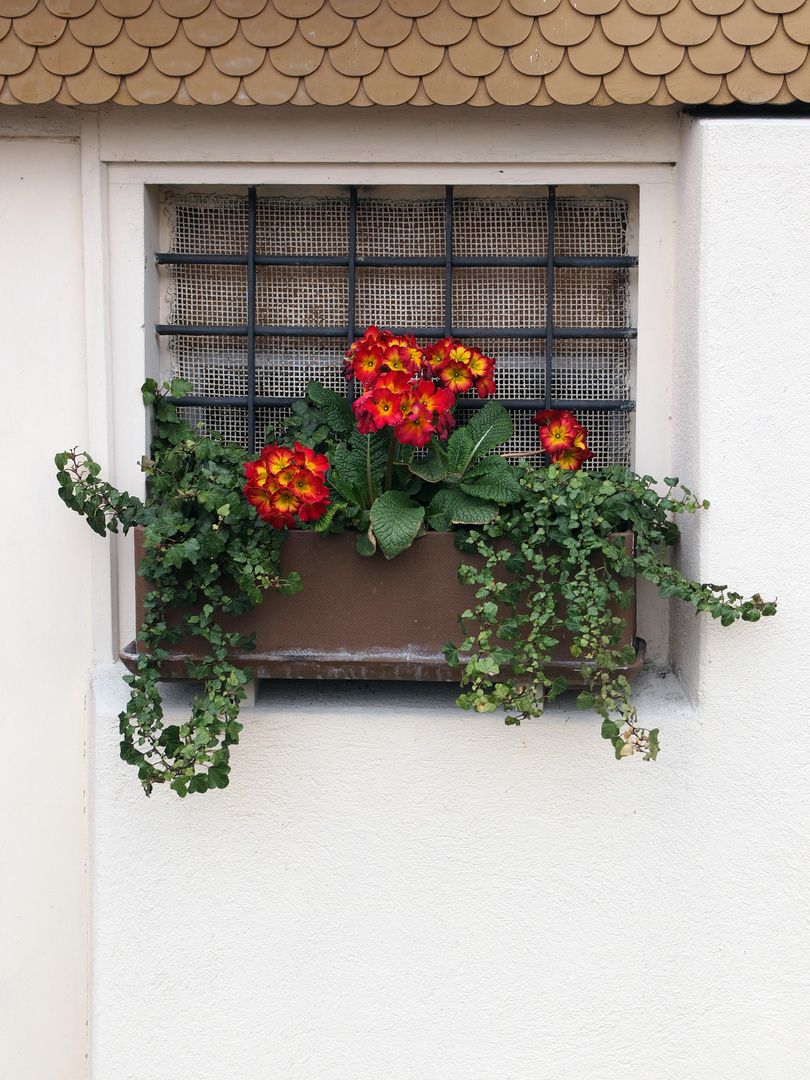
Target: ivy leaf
450, 653
558, 687
515, 564
628, 655
396, 520
291, 585
181, 388
218, 776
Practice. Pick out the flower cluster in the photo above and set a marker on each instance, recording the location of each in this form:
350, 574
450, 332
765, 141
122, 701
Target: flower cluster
563, 438
284, 484
411, 389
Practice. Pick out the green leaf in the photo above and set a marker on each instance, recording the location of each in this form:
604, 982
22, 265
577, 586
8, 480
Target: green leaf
359, 467
585, 701
465, 509
459, 450
181, 388
366, 543
396, 520
437, 516
628, 655
559, 686
291, 585
654, 747
508, 630
335, 407
432, 467
610, 729
515, 564
493, 478
218, 776
488, 428
450, 653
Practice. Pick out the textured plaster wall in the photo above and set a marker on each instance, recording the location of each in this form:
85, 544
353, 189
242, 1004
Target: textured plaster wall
45, 629
742, 379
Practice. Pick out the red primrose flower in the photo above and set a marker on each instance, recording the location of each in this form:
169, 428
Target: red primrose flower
284, 484
400, 383
563, 438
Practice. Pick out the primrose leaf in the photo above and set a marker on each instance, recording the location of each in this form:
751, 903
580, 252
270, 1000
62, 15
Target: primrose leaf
462, 508
366, 543
334, 406
437, 517
493, 478
459, 450
488, 428
432, 467
396, 520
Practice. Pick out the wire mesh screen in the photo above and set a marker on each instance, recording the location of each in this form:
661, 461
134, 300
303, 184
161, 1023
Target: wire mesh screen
306, 297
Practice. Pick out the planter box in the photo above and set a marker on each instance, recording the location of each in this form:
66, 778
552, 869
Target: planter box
363, 618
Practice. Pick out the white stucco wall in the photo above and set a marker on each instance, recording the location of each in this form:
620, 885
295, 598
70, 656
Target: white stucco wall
390, 886
45, 628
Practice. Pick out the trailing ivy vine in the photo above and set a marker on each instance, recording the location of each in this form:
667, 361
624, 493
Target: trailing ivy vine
205, 552
553, 561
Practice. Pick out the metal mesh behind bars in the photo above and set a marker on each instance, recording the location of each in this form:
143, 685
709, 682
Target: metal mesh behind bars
595, 369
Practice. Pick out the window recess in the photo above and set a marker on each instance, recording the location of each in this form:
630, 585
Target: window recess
266, 292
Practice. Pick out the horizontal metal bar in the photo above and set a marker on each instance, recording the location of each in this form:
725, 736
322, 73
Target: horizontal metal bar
528, 332
165, 330
196, 402
540, 403
538, 332
169, 258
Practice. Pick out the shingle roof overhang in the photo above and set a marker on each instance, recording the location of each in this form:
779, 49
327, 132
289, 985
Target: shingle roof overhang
396, 52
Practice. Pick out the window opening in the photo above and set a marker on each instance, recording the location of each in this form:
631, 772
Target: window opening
266, 293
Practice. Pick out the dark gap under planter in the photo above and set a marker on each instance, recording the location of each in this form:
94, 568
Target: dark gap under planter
364, 618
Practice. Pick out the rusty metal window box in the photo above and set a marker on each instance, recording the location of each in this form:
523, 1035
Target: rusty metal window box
336, 628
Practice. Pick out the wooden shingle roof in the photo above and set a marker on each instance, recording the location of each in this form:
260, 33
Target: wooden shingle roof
392, 52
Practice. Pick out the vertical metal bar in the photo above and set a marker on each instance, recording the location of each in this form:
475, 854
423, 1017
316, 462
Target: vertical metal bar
552, 210
448, 261
251, 323
352, 314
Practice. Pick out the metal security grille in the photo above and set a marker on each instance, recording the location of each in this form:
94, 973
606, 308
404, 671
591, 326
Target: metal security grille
265, 294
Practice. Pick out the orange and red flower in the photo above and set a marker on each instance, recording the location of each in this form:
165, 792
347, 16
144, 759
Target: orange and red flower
284, 484
563, 438
400, 383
